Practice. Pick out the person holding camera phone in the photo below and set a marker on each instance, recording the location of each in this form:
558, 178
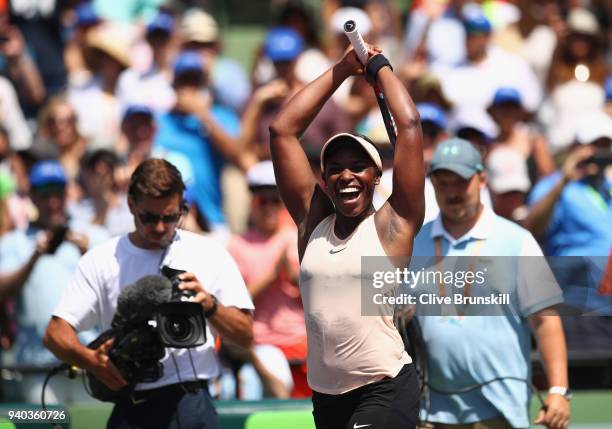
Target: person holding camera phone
36, 264
180, 398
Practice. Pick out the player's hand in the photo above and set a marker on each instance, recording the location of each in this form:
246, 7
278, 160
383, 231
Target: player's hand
350, 63
557, 412
190, 282
103, 368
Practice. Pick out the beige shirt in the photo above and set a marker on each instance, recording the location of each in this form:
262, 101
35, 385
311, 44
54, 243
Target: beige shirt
345, 349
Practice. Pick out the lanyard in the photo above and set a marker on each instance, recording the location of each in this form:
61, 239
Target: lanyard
438, 250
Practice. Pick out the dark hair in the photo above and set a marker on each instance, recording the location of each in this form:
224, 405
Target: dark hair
156, 178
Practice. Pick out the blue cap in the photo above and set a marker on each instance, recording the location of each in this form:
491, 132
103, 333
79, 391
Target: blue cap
162, 22
188, 62
475, 23
283, 44
137, 109
431, 112
507, 95
46, 172
608, 88
86, 15
457, 155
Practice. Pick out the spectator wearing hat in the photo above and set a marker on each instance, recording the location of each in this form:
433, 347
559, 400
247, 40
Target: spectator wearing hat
94, 101
283, 47
86, 20
508, 183
40, 261
228, 81
575, 208
473, 124
464, 351
487, 67
153, 86
508, 112
201, 131
575, 79
267, 258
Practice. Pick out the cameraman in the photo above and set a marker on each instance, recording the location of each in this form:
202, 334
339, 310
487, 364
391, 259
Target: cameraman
180, 397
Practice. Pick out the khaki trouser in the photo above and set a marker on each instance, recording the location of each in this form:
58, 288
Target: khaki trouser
495, 423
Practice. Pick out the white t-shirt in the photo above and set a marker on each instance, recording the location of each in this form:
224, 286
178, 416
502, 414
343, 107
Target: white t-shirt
103, 272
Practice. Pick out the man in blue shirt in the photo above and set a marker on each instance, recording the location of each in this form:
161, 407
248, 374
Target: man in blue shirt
205, 134
37, 264
465, 351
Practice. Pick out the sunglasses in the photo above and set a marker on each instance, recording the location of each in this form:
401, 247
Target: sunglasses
152, 219
49, 189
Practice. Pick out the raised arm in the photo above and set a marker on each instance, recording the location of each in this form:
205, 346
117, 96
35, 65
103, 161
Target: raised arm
402, 216
294, 176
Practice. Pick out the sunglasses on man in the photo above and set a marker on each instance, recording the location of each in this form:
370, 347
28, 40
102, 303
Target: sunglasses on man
147, 218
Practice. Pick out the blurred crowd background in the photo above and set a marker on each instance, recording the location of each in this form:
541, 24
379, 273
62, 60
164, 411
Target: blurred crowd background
90, 89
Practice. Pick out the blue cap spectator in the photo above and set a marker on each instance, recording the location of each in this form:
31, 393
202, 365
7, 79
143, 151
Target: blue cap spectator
430, 112
283, 44
86, 15
188, 62
507, 95
476, 23
46, 173
457, 155
137, 109
162, 22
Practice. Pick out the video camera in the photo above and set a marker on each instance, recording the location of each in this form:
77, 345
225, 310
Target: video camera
153, 313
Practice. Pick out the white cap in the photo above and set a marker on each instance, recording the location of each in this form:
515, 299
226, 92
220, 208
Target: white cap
261, 174
199, 26
582, 21
474, 117
366, 145
594, 126
343, 14
507, 171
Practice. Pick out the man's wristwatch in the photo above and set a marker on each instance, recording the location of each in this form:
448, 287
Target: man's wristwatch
560, 390
212, 310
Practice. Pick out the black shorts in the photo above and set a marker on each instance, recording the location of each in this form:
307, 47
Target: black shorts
391, 403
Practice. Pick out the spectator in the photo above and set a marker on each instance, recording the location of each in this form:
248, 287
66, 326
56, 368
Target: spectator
508, 183
476, 126
608, 88
579, 214
508, 112
228, 81
191, 129
39, 263
85, 20
465, 351
58, 136
152, 87
94, 101
575, 80
102, 203
267, 258
487, 68
11, 117
20, 67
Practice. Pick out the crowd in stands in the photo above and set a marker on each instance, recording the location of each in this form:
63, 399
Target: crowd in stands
88, 90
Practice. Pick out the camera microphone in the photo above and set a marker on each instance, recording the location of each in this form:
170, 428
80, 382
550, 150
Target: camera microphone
139, 301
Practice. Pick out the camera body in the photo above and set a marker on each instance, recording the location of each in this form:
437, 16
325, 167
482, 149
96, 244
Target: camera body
180, 322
